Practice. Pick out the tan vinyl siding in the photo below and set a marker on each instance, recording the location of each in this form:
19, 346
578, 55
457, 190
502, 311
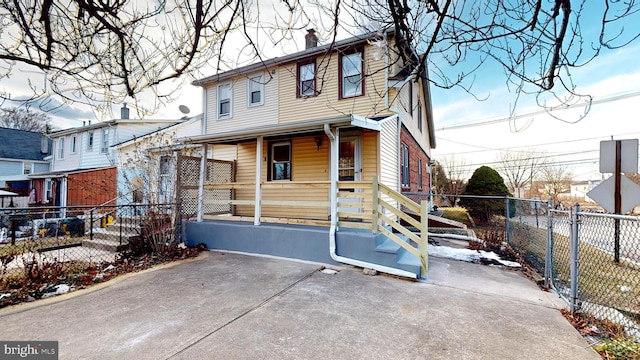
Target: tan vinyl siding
224, 152
307, 164
245, 172
370, 164
327, 104
243, 116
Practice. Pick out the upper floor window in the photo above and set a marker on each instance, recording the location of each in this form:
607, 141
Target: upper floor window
61, 149
224, 101
410, 107
255, 90
404, 165
419, 115
419, 174
306, 79
105, 140
74, 142
90, 141
280, 158
27, 167
351, 79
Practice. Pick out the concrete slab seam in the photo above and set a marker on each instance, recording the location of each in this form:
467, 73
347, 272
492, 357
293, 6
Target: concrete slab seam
247, 312
485, 294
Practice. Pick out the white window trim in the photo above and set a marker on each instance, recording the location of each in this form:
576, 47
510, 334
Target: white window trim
91, 140
73, 144
302, 79
344, 75
61, 148
272, 161
225, 116
104, 149
405, 177
260, 84
420, 173
27, 168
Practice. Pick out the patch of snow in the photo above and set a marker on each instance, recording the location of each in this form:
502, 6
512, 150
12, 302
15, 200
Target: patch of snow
60, 289
468, 255
5, 295
329, 271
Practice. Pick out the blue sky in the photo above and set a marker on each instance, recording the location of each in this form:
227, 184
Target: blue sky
573, 142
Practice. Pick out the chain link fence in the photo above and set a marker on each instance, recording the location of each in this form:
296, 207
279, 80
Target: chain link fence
591, 259
526, 229
35, 238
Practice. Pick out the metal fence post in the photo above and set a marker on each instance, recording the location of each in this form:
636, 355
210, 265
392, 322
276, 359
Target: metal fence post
91, 225
507, 224
574, 257
548, 260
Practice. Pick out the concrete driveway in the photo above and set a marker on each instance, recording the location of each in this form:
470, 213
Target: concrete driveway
232, 306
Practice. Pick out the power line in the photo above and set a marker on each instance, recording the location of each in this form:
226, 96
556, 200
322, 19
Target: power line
487, 149
538, 112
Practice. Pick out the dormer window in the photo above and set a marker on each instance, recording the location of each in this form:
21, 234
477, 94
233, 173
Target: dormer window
351, 70
306, 79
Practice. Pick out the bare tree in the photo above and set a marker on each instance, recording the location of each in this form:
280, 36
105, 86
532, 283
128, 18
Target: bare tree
25, 119
557, 180
536, 42
455, 174
519, 167
103, 52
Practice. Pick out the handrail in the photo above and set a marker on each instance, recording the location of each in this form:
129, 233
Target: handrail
106, 202
381, 219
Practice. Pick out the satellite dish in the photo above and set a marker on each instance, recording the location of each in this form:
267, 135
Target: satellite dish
184, 109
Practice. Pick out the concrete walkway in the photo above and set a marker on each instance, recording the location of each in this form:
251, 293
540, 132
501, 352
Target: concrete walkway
231, 306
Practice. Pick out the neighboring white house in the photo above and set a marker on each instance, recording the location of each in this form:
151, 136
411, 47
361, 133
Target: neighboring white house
580, 189
86, 160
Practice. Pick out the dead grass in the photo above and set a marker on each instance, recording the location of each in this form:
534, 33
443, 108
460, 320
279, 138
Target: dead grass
456, 213
600, 279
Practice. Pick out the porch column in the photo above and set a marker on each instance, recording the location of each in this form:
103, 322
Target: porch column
258, 206
203, 174
63, 196
333, 173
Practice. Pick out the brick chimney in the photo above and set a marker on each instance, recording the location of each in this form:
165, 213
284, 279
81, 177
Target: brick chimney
311, 39
124, 112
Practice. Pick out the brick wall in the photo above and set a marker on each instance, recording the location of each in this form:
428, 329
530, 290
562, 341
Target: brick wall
415, 152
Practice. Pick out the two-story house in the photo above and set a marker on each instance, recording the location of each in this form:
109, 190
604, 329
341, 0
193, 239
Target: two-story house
86, 161
22, 153
311, 133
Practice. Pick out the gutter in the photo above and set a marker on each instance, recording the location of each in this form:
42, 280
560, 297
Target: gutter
333, 143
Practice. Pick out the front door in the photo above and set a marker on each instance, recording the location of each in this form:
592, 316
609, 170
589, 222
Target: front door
349, 169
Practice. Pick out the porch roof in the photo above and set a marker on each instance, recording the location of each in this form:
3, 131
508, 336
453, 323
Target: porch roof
62, 173
286, 129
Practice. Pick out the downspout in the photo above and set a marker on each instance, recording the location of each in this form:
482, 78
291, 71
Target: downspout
333, 145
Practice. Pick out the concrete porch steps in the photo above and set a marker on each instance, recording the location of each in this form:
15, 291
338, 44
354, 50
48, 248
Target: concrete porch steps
403, 259
115, 237
376, 249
